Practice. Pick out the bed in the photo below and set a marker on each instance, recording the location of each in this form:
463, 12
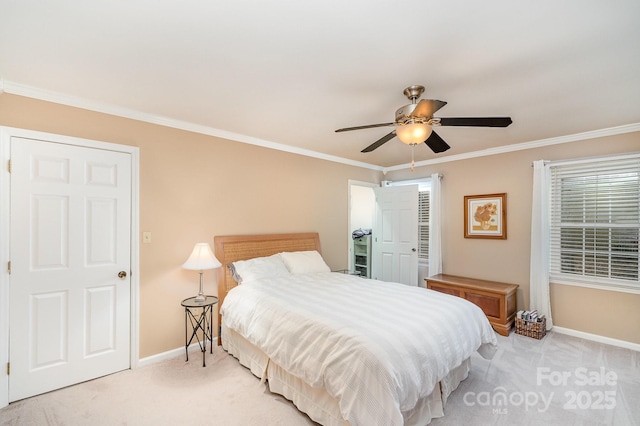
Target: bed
344, 349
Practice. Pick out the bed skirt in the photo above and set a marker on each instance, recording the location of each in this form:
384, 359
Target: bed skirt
316, 402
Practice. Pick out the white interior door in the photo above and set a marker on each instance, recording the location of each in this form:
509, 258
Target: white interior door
395, 236
70, 238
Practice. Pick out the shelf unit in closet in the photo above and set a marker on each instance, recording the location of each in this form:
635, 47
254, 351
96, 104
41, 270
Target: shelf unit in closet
362, 255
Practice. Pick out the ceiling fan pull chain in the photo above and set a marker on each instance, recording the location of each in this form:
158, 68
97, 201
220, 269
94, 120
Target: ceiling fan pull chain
413, 148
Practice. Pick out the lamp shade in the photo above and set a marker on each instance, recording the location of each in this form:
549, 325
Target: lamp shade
413, 133
201, 258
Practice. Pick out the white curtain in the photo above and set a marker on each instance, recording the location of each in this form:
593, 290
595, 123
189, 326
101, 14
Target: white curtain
539, 269
435, 226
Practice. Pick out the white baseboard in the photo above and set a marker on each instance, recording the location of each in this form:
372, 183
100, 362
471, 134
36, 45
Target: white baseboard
597, 338
194, 347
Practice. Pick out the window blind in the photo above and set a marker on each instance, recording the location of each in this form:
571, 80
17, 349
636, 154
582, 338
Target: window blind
423, 225
595, 222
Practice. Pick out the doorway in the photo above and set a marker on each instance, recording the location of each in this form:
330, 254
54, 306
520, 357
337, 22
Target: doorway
398, 261
362, 204
362, 212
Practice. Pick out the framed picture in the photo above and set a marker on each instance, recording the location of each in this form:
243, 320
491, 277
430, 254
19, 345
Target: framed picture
485, 216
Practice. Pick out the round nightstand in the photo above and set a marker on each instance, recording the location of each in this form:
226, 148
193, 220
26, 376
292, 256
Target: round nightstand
202, 323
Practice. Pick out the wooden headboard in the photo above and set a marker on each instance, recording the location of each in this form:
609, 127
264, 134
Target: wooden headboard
231, 248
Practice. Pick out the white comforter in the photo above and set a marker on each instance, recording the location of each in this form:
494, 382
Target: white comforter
376, 347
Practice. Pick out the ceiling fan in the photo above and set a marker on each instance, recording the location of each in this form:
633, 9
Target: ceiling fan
413, 124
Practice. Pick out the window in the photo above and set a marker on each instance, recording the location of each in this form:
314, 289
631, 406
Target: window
595, 222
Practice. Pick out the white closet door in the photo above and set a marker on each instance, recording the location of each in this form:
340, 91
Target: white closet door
70, 239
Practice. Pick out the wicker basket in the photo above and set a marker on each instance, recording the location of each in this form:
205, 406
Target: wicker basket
534, 329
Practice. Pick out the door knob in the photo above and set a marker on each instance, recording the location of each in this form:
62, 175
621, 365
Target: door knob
413, 249
122, 274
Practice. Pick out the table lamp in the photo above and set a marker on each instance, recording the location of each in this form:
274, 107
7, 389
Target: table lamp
201, 258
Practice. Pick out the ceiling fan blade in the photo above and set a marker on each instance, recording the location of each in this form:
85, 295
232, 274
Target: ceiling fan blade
476, 121
368, 126
436, 143
427, 107
386, 138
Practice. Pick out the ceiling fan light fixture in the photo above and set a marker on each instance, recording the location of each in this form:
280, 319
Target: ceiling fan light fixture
413, 133
413, 123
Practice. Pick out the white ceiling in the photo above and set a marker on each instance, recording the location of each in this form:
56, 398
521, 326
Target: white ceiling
291, 72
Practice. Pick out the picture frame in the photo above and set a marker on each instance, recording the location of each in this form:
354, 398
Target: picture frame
485, 216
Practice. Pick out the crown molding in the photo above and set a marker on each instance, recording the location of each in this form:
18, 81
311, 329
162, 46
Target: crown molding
77, 102
61, 98
610, 131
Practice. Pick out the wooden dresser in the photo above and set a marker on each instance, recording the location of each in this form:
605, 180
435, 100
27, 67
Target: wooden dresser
497, 300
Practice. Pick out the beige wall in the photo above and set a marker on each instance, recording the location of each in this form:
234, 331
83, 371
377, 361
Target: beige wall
193, 187
606, 313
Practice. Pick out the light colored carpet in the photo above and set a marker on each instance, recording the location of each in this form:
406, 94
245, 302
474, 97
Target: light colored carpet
558, 380
173, 392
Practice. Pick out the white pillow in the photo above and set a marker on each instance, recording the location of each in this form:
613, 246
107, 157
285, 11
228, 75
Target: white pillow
304, 262
259, 267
